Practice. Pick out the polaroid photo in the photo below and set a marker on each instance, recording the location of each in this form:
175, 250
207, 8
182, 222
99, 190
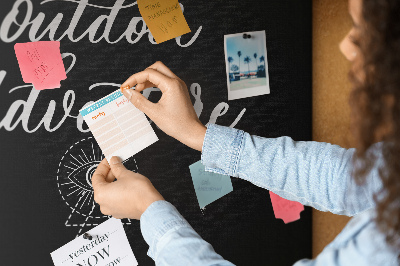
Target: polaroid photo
246, 64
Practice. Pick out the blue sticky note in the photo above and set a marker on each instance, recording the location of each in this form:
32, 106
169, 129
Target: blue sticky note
209, 186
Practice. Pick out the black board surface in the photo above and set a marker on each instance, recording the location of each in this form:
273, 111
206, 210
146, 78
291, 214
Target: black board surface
36, 133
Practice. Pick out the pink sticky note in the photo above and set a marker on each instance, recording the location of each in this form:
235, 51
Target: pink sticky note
41, 64
288, 211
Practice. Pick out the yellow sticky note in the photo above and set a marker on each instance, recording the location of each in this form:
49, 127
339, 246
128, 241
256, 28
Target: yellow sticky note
164, 18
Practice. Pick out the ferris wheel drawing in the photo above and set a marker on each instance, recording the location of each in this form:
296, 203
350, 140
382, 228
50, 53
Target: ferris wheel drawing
74, 175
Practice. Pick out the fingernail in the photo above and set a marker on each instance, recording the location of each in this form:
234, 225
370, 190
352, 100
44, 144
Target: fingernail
127, 93
115, 160
125, 88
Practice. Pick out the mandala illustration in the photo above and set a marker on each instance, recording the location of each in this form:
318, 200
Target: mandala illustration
74, 175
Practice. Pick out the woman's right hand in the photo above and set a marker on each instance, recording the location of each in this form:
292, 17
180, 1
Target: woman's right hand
173, 113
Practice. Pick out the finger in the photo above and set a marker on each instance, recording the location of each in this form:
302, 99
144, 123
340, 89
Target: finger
140, 102
160, 67
117, 167
158, 79
142, 86
110, 177
105, 211
99, 176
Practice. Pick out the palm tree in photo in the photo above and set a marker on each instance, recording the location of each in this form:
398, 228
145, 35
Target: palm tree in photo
247, 60
255, 58
230, 60
262, 59
234, 68
239, 55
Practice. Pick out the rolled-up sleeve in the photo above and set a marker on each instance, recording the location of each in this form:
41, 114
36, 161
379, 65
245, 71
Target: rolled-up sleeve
313, 173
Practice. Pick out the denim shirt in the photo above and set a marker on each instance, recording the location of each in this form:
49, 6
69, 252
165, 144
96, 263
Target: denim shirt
314, 174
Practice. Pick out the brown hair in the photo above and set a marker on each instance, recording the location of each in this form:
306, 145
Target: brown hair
375, 102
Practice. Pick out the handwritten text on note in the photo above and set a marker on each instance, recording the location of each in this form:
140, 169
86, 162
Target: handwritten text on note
41, 64
209, 186
164, 18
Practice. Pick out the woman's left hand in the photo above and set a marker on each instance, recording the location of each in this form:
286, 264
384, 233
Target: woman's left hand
127, 197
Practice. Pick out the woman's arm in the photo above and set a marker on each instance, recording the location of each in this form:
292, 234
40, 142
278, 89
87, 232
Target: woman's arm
315, 174
173, 241
312, 173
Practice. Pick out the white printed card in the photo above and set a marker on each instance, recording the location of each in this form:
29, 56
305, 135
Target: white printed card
118, 126
108, 246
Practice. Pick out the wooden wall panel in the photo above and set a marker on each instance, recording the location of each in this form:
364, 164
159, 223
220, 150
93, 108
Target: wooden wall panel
331, 88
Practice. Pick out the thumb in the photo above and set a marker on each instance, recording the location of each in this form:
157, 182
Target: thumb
117, 167
99, 176
138, 100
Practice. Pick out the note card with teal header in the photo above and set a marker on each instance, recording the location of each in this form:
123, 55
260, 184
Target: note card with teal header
209, 186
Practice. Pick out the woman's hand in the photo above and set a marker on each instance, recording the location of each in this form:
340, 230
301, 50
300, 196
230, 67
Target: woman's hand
173, 113
128, 197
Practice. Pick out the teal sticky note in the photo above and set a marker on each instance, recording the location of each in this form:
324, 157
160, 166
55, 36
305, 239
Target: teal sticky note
209, 186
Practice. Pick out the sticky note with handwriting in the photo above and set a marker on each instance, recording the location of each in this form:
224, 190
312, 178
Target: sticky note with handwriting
108, 246
288, 211
164, 18
209, 186
118, 126
41, 64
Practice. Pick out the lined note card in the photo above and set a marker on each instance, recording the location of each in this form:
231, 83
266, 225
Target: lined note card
164, 18
118, 126
41, 64
209, 186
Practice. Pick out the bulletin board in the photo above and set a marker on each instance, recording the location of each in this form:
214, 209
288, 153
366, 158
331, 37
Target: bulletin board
103, 43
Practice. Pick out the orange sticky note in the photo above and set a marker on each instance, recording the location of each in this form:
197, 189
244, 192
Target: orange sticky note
41, 64
164, 18
288, 211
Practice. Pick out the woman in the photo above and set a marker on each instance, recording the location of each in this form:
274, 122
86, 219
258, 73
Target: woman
316, 174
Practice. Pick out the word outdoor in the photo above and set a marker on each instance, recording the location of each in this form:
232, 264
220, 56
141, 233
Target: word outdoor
10, 21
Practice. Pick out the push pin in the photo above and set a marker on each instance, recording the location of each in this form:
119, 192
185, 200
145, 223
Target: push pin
87, 236
246, 36
125, 88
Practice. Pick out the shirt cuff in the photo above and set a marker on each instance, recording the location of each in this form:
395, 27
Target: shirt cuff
158, 219
221, 149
